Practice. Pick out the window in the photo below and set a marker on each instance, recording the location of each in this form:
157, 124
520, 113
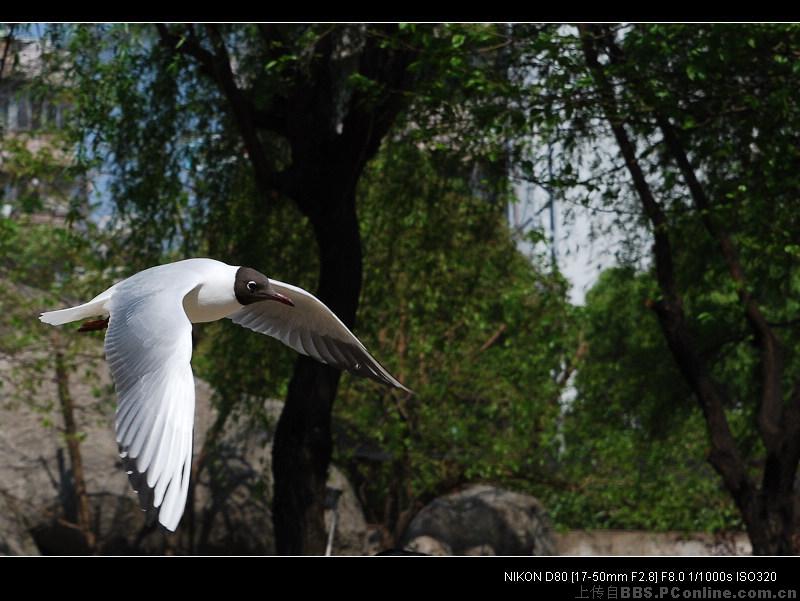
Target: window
4, 109
11, 115
23, 113
37, 115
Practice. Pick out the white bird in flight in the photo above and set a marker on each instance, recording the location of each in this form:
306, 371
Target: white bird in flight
148, 347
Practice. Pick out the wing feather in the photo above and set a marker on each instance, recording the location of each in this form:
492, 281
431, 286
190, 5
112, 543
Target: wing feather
148, 347
312, 329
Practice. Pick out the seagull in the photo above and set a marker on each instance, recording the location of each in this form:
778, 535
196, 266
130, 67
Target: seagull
148, 346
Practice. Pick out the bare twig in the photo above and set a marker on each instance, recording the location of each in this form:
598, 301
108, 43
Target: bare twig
494, 337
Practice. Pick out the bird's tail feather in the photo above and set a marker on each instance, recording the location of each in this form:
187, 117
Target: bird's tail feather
95, 307
63, 316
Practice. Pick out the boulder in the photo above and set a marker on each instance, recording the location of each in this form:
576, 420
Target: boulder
481, 520
350, 537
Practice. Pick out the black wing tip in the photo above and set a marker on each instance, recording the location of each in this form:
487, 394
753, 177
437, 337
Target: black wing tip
145, 494
385, 378
138, 481
397, 384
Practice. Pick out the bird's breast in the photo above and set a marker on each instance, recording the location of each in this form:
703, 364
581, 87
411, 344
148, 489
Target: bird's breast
208, 303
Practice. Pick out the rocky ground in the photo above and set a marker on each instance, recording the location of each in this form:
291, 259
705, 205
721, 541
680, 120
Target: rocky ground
228, 512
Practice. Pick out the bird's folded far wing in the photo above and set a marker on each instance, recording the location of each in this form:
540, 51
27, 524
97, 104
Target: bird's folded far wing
149, 349
309, 327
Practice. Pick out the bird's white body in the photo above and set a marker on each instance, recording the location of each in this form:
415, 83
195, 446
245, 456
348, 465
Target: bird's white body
148, 348
211, 299
214, 298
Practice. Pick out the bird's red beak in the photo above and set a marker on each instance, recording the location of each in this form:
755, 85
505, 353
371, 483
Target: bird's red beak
281, 299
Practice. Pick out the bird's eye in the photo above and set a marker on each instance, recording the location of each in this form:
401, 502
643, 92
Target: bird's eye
251, 286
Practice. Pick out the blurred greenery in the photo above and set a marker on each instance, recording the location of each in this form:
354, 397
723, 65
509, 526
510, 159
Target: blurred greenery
711, 125
50, 252
469, 323
634, 443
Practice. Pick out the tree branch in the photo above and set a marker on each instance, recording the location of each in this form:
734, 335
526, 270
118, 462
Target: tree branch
724, 456
74, 447
493, 338
571, 366
770, 411
771, 355
217, 67
187, 45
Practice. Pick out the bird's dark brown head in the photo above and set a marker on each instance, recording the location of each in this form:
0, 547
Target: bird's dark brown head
252, 286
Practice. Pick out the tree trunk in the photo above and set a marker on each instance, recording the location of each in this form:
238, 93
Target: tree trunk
771, 529
302, 448
74, 449
330, 145
769, 514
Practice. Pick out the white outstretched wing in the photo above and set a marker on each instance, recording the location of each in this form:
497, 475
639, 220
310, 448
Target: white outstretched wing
149, 349
312, 329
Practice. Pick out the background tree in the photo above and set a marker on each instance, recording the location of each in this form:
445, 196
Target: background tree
674, 122
50, 255
284, 118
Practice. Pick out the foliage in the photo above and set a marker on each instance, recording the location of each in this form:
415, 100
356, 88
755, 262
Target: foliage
634, 445
465, 320
697, 107
51, 255
484, 337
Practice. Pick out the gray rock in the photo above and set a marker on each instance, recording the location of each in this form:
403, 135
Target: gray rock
350, 537
15, 537
482, 520
428, 545
229, 507
230, 511
637, 542
36, 477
